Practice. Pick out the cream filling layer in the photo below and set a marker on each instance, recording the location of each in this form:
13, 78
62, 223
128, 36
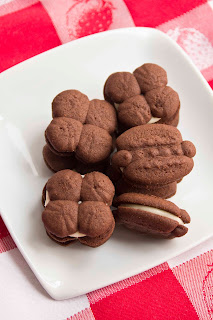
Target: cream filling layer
153, 120
47, 200
77, 234
153, 210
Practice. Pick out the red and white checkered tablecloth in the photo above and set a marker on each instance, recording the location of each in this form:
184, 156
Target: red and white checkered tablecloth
181, 288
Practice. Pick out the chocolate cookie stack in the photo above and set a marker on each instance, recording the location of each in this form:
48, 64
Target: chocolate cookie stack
80, 135
77, 208
151, 157
142, 97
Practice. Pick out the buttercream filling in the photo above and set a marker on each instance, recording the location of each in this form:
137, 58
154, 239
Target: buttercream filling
153, 120
47, 200
153, 210
77, 234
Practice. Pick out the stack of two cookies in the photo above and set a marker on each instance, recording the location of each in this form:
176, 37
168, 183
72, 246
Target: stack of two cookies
80, 136
151, 155
142, 97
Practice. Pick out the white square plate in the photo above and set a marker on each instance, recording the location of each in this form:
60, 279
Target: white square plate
25, 110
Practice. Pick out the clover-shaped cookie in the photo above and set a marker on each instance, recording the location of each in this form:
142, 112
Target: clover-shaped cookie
80, 131
142, 97
66, 137
151, 215
153, 155
77, 207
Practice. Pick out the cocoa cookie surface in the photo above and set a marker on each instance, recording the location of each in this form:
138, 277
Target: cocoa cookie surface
120, 86
150, 76
71, 104
70, 185
63, 185
134, 111
153, 154
97, 187
63, 135
102, 114
151, 215
90, 222
95, 144
164, 102
91, 144
76, 105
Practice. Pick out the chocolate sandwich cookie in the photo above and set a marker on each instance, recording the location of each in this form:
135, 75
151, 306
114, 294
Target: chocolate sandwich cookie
160, 104
120, 86
150, 76
77, 207
76, 105
91, 144
90, 222
151, 215
153, 155
70, 185
162, 191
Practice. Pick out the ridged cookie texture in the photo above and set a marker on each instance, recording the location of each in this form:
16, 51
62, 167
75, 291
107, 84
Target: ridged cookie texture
142, 97
151, 215
78, 208
153, 155
76, 105
81, 130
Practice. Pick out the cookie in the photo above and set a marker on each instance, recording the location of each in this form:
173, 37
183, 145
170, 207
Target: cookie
90, 222
70, 185
63, 135
120, 86
70, 104
134, 111
153, 155
57, 163
151, 215
76, 105
172, 122
91, 144
102, 114
163, 191
159, 104
150, 76
97, 187
164, 103
77, 208
63, 185
95, 145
